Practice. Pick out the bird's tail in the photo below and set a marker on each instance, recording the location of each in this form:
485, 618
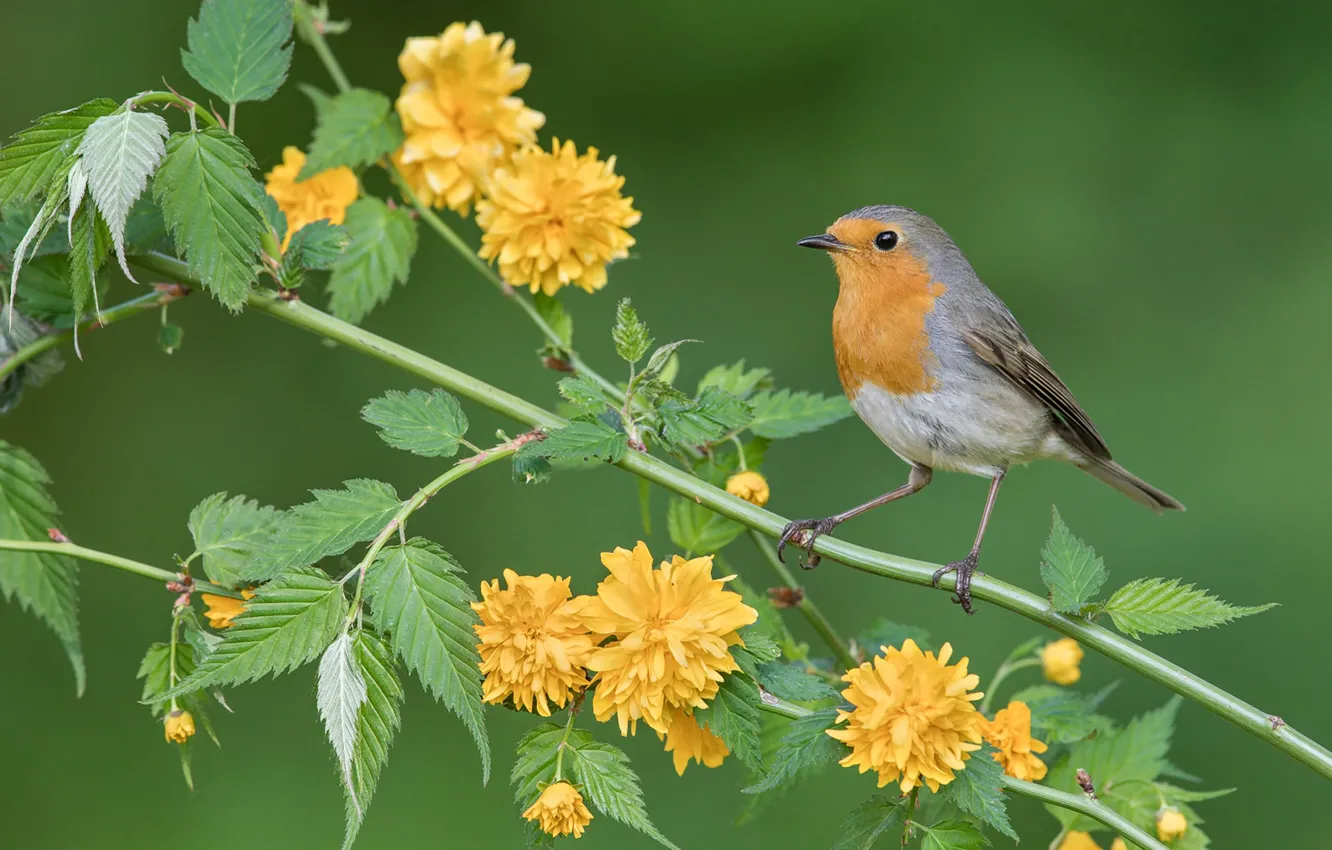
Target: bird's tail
1131, 485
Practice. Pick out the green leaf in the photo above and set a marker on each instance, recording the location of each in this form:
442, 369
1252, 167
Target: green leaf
806, 745
583, 391
792, 681
376, 722
1070, 569
733, 716
582, 439
238, 49
697, 529
211, 205
120, 152
340, 695
977, 789
885, 632
868, 821
334, 522
17, 332
43, 222
32, 160
1159, 606
318, 245
89, 244
419, 599
356, 128
1060, 715
155, 670
428, 424
229, 534
43, 583
782, 414
319, 99
530, 469
169, 337
288, 622
553, 313
630, 334
736, 379
657, 362
713, 416
380, 253
953, 835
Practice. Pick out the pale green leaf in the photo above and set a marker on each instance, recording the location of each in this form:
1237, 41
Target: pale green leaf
782, 414
630, 334
425, 607
334, 522
42, 224
868, 822
1070, 569
714, 415
43, 583
211, 204
953, 835
1159, 606
120, 152
697, 529
239, 49
33, 159
340, 695
977, 789
582, 440
736, 379
428, 424
317, 245
229, 534
805, 746
376, 723
733, 716
355, 128
379, 254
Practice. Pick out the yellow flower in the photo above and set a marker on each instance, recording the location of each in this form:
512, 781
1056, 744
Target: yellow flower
671, 629
560, 810
1078, 840
913, 716
687, 739
1010, 733
222, 610
533, 647
1170, 824
555, 219
1118, 844
1061, 660
459, 114
179, 726
750, 486
326, 195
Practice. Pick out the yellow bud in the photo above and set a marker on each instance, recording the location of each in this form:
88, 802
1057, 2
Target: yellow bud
179, 726
560, 811
1170, 824
750, 486
1061, 660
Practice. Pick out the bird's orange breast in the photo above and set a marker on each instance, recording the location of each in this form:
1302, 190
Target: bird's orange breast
879, 331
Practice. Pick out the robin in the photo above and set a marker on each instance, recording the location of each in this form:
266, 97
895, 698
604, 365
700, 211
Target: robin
942, 373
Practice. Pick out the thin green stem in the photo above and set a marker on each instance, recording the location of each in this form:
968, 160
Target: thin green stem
564, 743
1002, 673
231, 119
106, 558
308, 27
175, 639
176, 100
163, 294
811, 612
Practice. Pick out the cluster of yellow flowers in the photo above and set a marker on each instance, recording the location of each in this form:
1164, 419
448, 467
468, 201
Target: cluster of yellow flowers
326, 195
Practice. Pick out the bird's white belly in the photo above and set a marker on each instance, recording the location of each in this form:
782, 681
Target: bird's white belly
963, 430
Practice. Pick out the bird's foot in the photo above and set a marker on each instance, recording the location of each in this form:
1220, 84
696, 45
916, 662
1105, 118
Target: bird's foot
965, 569
803, 532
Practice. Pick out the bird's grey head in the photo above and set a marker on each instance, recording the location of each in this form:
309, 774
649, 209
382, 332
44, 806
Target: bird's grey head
870, 234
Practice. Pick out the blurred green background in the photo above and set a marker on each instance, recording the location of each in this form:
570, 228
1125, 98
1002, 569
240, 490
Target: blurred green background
1146, 185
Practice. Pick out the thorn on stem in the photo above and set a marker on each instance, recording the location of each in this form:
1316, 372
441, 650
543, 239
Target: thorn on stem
1276, 721
56, 535
1085, 783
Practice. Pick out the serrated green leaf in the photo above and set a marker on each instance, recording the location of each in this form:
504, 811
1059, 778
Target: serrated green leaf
33, 158
239, 49
211, 204
584, 392
356, 128
1159, 606
119, 153
317, 245
534, 760
770, 621
782, 414
17, 332
611, 785
43, 583
155, 670
1070, 569
582, 440
1175, 795
733, 716
530, 469
43, 223
714, 415
379, 254
340, 694
698, 530
885, 632
423, 605
656, 364
229, 534
273, 215
376, 723
1060, 715
428, 424
630, 334
805, 746
288, 622
977, 789
89, 244
553, 313
736, 379
868, 821
792, 681
334, 522
953, 835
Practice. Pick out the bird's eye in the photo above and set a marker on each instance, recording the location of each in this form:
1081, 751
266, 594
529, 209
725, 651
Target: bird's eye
886, 241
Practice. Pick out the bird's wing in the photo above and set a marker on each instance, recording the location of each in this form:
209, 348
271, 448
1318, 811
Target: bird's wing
1009, 351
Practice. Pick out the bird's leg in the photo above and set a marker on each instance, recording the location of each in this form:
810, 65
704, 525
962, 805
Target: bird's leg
805, 531
966, 568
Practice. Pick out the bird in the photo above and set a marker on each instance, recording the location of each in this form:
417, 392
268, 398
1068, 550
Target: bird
942, 373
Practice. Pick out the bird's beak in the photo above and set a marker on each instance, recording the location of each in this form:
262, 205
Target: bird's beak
824, 242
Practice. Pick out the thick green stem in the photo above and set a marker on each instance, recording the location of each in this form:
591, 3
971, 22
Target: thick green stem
816, 618
110, 560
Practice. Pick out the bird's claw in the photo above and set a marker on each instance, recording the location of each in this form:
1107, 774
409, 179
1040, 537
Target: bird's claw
804, 532
965, 569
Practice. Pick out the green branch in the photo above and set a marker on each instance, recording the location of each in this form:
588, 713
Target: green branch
106, 558
176, 100
817, 620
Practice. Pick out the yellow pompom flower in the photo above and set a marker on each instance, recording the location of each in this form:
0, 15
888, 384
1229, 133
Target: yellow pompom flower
1060, 660
1170, 824
555, 219
179, 726
1010, 733
688, 740
750, 486
912, 717
560, 811
533, 647
459, 114
671, 629
326, 195
221, 611
1078, 840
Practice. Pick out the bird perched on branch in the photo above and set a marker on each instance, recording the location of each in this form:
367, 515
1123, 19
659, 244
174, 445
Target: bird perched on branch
942, 373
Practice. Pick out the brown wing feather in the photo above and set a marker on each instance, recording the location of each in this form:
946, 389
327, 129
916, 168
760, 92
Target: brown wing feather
1019, 361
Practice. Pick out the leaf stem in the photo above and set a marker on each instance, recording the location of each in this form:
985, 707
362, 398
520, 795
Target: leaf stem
231, 119
176, 100
106, 558
1002, 673
816, 618
308, 29
564, 743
